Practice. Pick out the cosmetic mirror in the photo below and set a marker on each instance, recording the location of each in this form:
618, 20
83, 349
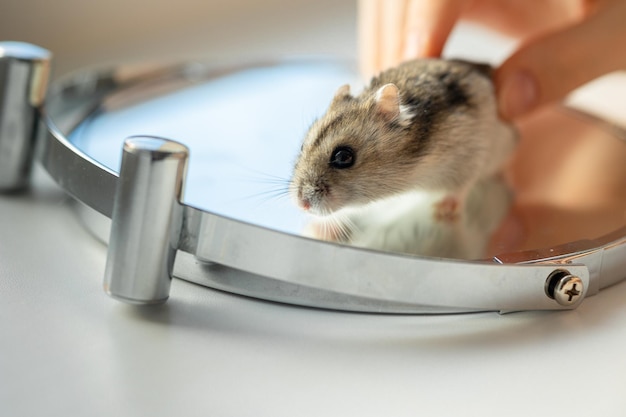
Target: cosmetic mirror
558, 212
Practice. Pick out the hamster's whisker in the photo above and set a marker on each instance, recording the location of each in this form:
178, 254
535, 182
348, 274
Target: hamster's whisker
339, 225
273, 187
272, 194
280, 181
348, 222
264, 177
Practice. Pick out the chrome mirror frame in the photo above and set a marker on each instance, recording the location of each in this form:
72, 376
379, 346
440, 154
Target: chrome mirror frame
156, 236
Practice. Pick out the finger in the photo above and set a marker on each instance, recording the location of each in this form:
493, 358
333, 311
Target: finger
392, 16
368, 32
547, 68
428, 25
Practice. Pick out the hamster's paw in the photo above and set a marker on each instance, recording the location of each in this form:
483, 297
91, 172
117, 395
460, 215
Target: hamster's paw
447, 210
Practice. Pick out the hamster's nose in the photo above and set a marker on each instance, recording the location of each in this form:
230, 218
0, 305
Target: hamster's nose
305, 204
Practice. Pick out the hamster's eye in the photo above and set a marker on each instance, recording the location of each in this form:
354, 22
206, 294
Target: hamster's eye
342, 157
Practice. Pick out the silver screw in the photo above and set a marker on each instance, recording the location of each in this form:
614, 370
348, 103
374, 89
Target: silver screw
565, 288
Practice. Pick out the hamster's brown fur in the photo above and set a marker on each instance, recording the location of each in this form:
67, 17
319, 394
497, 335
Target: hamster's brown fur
427, 124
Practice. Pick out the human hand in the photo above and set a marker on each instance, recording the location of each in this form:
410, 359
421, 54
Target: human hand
564, 43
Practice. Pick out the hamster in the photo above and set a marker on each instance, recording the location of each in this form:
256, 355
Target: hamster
427, 124
403, 223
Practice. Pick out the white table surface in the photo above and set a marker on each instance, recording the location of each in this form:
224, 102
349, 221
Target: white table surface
68, 350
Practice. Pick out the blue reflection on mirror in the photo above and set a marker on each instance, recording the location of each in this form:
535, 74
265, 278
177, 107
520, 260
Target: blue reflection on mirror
244, 130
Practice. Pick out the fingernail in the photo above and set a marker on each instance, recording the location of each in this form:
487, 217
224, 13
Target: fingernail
519, 94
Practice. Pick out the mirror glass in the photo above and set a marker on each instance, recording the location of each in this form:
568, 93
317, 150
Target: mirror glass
245, 126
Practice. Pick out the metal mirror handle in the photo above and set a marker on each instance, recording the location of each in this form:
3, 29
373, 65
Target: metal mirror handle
146, 221
24, 73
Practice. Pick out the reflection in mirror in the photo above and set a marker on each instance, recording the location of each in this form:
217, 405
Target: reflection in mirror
565, 182
569, 178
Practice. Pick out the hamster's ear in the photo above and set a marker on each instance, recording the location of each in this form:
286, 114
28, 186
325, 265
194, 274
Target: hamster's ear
388, 104
388, 101
342, 94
